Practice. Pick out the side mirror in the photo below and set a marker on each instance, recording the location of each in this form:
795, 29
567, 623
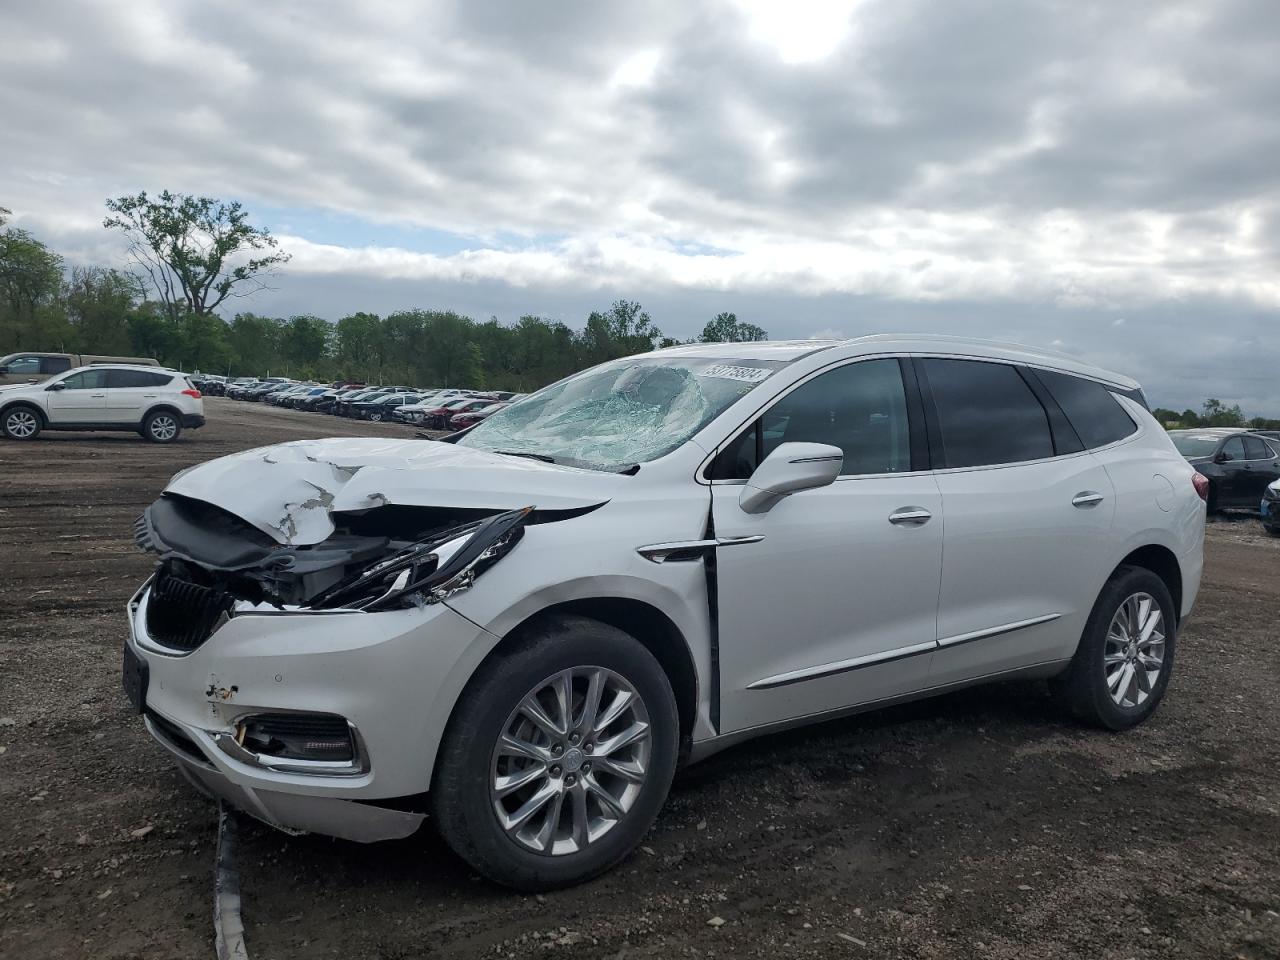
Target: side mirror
791, 467
56, 386
1222, 457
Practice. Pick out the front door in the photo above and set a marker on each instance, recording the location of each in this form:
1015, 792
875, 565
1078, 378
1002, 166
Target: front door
83, 398
829, 599
1262, 466
1233, 488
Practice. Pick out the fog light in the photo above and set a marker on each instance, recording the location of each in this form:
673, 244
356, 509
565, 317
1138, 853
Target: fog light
320, 737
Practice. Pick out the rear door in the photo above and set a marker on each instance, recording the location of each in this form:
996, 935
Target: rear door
1234, 487
1028, 519
1261, 467
130, 393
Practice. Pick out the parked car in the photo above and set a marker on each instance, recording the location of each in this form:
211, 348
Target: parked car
1238, 465
152, 401
437, 418
381, 407
1269, 509
315, 400
33, 367
525, 631
460, 421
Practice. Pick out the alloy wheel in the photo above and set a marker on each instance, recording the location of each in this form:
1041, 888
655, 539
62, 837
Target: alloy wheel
1134, 651
164, 427
21, 424
571, 760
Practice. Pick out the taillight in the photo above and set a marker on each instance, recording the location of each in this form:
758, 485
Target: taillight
1201, 483
193, 393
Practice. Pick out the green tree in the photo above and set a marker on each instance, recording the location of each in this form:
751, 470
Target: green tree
30, 283
196, 251
727, 328
99, 303
305, 341
357, 345
1215, 413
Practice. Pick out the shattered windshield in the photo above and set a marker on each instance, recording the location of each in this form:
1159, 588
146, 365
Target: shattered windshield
620, 413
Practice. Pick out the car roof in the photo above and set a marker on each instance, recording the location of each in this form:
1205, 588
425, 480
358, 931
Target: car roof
1213, 431
789, 350
144, 367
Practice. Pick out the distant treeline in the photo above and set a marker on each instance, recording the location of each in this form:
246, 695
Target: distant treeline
46, 306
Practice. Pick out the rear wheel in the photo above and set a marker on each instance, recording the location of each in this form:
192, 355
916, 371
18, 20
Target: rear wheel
21, 423
559, 756
1121, 669
161, 427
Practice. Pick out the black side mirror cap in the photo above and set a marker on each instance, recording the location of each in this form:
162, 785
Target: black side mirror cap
1222, 457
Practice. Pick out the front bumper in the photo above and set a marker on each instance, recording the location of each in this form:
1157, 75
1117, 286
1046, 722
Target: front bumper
393, 675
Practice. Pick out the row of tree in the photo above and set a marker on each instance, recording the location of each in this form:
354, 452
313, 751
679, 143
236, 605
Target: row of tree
1214, 413
191, 254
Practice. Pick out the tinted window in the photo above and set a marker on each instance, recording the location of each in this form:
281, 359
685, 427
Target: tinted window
1256, 449
1092, 410
86, 380
860, 408
987, 414
136, 378
1234, 448
55, 364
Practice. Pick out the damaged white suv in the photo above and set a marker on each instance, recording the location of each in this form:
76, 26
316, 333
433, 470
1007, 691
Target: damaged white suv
525, 631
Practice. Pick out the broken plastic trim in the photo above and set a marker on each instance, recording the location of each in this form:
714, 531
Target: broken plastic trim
430, 570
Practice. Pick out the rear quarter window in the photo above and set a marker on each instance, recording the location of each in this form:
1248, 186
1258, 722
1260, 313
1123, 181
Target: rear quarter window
1095, 413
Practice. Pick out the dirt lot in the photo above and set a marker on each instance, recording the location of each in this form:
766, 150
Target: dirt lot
977, 825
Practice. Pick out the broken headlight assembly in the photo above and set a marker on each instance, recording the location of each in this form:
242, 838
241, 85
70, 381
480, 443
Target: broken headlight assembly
431, 570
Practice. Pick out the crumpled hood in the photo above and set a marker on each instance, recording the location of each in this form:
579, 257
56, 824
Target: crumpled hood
289, 490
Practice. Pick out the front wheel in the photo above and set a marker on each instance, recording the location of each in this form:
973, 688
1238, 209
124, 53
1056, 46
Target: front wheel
1121, 669
559, 756
375, 417
161, 427
21, 423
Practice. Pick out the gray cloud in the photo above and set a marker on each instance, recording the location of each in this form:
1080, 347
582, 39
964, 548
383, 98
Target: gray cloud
1023, 169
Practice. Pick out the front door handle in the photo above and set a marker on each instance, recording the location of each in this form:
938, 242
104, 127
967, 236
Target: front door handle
911, 516
1086, 499
96, 396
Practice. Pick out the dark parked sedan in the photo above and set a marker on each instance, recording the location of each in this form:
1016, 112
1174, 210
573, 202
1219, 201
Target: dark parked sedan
1238, 465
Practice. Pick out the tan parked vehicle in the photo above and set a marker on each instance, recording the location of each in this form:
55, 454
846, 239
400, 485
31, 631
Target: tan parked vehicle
32, 366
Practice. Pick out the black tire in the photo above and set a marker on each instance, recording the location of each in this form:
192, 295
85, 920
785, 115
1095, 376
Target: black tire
1211, 502
162, 426
1271, 530
21, 422
1083, 687
461, 801
375, 417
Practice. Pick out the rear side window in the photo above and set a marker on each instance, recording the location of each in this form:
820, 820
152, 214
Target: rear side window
1096, 415
136, 378
1256, 449
55, 364
986, 414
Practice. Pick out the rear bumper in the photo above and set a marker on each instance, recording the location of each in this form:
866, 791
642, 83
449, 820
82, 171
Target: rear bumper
192, 421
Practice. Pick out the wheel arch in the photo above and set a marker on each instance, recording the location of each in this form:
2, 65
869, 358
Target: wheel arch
163, 408
650, 627
29, 405
1163, 562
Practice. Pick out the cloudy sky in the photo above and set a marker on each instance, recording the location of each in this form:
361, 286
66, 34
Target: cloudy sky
1102, 178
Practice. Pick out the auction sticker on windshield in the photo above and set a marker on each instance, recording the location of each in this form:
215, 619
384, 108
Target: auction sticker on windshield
728, 371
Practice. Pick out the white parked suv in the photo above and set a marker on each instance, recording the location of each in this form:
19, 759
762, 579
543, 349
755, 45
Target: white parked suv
157, 403
524, 632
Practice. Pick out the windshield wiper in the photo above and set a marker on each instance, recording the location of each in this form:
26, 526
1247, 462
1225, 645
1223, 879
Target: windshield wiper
532, 456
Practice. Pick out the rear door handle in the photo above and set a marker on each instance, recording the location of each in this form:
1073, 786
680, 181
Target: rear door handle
912, 516
96, 396
1086, 499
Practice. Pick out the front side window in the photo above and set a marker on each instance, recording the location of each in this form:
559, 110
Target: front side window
86, 380
1092, 410
621, 413
24, 366
1234, 448
987, 414
860, 407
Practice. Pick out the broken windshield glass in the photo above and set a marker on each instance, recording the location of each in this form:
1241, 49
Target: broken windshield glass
621, 413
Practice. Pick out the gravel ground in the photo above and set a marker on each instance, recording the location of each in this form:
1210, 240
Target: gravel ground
980, 824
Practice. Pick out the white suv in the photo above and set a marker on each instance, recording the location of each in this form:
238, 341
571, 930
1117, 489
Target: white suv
525, 631
154, 402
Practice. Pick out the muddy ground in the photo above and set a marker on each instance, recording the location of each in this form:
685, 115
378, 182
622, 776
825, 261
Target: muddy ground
980, 824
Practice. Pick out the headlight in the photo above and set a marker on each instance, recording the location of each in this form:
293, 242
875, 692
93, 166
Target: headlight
431, 570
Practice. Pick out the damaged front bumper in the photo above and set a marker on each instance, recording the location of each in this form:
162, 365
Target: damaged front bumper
383, 673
